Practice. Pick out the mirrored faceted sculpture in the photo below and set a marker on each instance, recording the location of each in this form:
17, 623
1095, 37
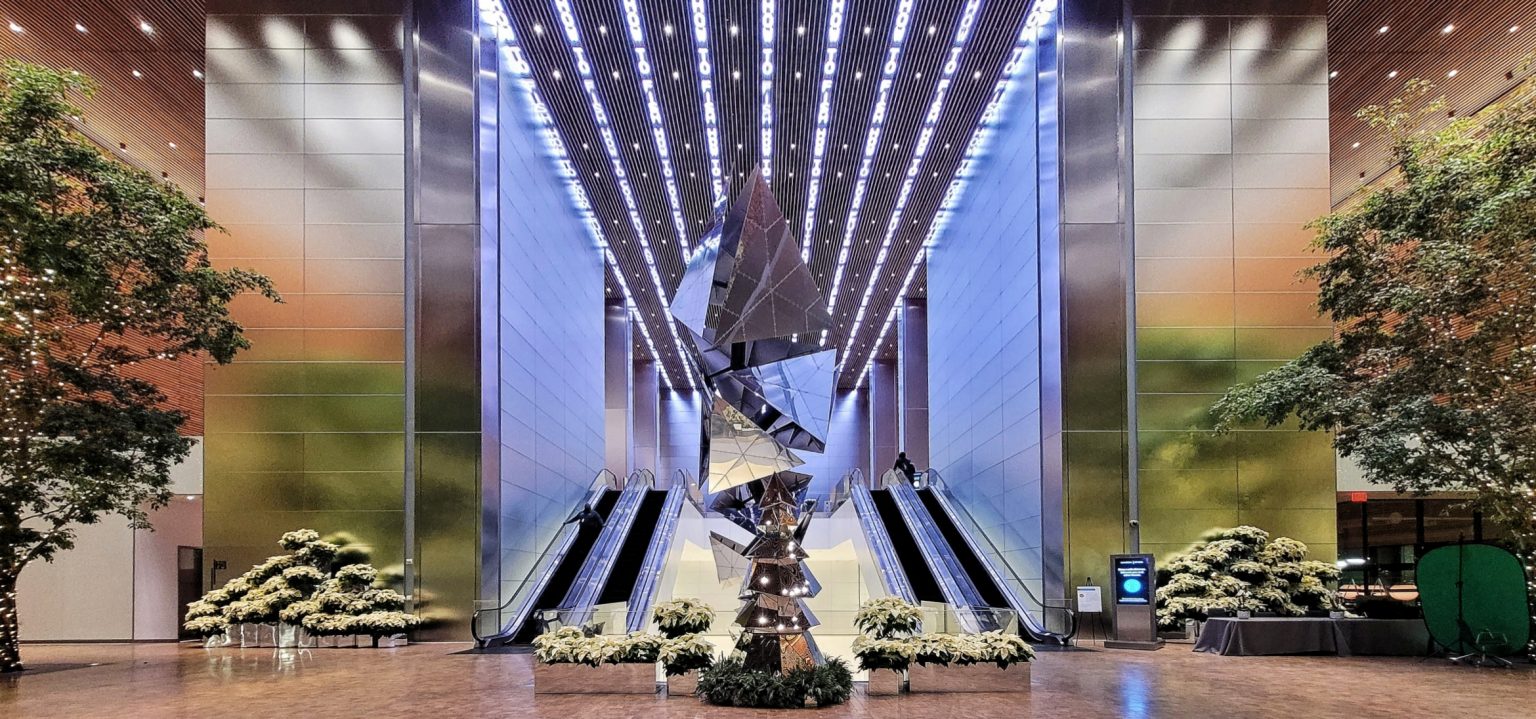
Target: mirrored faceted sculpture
759, 328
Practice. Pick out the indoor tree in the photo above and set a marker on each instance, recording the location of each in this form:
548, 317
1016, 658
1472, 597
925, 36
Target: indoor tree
1429, 382
102, 267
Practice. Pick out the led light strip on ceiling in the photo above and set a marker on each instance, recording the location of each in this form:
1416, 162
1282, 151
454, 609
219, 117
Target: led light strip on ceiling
605, 129
823, 118
707, 96
765, 88
919, 151
653, 113
876, 124
1039, 15
493, 14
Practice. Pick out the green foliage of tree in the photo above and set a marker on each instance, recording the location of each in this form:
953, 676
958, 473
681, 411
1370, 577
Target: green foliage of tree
1429, 383
102, 267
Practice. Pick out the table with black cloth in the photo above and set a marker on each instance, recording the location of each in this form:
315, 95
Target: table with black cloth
1313, 635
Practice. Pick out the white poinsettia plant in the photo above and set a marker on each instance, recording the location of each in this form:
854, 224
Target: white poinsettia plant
570, 645
681, 616
888, 617
686, 653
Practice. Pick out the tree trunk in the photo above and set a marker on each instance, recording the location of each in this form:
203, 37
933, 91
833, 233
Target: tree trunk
10, 635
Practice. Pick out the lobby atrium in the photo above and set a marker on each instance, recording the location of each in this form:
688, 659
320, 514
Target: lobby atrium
918, 358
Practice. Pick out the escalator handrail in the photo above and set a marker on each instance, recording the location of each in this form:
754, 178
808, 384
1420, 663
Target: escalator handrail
598, 566
656, 555
891, 572
935, 482
554, 551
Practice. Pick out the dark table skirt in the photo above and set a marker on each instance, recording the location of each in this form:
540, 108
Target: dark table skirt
1313, 635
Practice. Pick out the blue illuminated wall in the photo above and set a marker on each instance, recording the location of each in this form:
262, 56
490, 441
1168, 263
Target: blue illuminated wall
984, 337
550, 340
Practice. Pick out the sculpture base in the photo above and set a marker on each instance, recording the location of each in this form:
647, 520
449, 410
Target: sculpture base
778, 653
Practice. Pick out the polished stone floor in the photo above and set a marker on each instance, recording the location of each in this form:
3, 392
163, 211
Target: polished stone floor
432, 681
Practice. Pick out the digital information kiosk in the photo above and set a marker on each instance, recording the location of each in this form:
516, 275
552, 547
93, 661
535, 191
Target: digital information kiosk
1133, 579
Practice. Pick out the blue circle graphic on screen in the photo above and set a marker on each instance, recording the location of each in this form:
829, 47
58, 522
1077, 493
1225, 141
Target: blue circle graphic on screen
1131, 586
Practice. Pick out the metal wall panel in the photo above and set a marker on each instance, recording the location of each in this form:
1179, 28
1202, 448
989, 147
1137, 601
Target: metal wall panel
912, 333
307, 429
1219, 244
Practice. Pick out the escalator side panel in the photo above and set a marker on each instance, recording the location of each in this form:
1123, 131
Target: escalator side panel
632, 553
887, 560
560, 579
990, 592
906, 546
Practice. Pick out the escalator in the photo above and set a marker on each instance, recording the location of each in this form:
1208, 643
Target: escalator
567, 568
938, 548
631, 556
902, 569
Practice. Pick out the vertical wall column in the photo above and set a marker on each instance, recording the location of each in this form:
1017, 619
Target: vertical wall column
305, 170
443, 251
912, 379
618, 388
884, 416
646, 421
1231, 159
1094, 278
680, 418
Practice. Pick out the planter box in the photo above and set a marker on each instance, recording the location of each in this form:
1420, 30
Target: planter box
256, 635
605, 679
685, 685
969, 678
293, 636
398, 640
331, 641
885, 682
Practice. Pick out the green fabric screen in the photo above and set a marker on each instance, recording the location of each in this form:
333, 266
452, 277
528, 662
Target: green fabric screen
1480, 584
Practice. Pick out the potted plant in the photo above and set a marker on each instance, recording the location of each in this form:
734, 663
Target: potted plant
985, 662
682, 616
570, 661
879, 650
681, 660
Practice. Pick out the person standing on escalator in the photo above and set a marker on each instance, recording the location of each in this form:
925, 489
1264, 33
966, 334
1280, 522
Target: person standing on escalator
588, 517
906, 468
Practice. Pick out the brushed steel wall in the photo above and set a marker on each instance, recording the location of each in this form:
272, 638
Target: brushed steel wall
618, 380
305, 167
912, 374
884, 415
1231, 160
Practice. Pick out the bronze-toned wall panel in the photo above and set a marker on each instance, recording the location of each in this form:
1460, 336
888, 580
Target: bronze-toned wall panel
1224, 190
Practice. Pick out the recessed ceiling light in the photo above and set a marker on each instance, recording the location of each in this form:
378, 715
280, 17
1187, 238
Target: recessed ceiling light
800, 30
1382, 30
736, 74
171, 145
615, 74
859, 75
866, 29
1334, 73
136, 73
1392, 74
538, 29
676, 75
1452, 73
919, 75
797, 74
16, 28
80, 28
197, 74
1448, 29
147, 28
1355, 146
1514, 28
932, 29
602, 29
976, 75
556, 74
735, 30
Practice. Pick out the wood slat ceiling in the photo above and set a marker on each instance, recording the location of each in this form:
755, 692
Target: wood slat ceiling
1486, 54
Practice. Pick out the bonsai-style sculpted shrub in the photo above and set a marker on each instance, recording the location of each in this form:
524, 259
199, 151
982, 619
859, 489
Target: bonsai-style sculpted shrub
1242, 569
682, 616
299, 589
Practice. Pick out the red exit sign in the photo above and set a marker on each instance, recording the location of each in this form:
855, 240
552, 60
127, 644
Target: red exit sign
1357, 497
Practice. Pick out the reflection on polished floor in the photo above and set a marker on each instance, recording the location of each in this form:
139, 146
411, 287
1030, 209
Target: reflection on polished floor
431, 680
